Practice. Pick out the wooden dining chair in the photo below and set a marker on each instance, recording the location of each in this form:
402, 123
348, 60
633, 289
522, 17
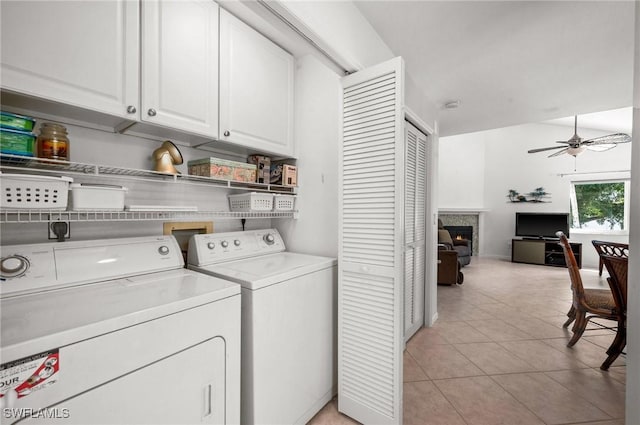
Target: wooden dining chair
613, 249
587, 303
617, 267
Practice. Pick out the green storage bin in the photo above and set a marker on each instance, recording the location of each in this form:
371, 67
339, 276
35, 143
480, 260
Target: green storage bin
16, 142
16, 122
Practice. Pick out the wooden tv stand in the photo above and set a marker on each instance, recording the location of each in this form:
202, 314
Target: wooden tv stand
543, 252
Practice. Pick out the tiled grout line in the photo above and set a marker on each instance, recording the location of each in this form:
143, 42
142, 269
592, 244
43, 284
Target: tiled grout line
450, 403
552, 348
534, 413
584, 398
437, 389
516, 399
420, 367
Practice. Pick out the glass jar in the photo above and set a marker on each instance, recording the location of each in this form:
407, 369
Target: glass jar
53, 142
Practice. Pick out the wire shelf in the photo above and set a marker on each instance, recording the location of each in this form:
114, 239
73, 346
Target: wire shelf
50, 166
46, 216
41, 166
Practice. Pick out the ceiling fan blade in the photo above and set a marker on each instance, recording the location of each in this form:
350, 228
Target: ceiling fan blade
558, 153
601, 148
544, 149
566, 142
609, 139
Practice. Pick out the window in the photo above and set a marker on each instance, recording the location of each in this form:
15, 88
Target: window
601, 206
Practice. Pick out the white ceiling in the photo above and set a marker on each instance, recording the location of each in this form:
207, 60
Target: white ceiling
512, 62
614, 121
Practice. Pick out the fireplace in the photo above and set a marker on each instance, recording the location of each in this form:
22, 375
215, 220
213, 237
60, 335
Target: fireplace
469, 221
462, 232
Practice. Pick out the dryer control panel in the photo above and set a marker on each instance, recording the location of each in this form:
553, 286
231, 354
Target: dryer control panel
214, 248
39, 267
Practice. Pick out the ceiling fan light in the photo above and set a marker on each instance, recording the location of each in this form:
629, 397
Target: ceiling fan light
576, 151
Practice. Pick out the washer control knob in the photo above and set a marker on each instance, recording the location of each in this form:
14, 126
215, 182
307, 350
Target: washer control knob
163, 250
211, 245
14, 266
224, 244
236, 242
269, 239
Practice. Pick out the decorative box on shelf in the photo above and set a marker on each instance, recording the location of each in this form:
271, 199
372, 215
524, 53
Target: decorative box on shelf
223, 169
283, 172
263, 164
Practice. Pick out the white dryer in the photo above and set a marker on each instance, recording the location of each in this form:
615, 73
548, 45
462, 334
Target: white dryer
117, 332
288, 322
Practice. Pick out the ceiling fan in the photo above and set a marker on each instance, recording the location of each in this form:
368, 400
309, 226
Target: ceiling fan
576, 145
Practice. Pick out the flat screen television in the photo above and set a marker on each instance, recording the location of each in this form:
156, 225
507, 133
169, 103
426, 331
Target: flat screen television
541, 225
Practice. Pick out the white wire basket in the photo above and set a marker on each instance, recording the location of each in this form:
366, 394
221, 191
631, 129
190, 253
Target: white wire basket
31, 192
284, 202
247, 202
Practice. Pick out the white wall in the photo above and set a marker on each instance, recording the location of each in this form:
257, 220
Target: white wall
317, 132
462, 162
492, 162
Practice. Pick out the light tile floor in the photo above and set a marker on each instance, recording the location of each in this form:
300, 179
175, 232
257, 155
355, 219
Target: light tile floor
498, 355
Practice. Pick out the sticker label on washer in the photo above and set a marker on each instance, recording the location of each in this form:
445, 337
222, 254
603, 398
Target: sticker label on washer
30, 374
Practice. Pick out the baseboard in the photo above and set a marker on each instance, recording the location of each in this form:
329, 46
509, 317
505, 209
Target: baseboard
495, 257
434, 318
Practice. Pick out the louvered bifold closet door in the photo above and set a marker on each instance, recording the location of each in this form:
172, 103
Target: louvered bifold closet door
370, 247
414, 233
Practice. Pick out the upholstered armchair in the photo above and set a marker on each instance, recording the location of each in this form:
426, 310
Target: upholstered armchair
461, 246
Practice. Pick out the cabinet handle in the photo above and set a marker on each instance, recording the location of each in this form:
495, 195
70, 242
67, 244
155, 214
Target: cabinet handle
151, 112
226, 133
131, 109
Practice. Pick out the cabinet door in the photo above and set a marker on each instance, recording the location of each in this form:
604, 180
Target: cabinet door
371, 245
524, 251
256, 89
180, 65
415, 232
83, 53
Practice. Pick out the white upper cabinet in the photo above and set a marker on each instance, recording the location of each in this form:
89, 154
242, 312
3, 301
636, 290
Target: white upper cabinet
180, 69
82, 53
256, 89
180, 65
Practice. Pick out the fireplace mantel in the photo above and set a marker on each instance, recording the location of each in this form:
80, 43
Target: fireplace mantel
463, 211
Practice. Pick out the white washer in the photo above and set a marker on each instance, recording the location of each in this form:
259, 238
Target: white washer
116, 331
288, 322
